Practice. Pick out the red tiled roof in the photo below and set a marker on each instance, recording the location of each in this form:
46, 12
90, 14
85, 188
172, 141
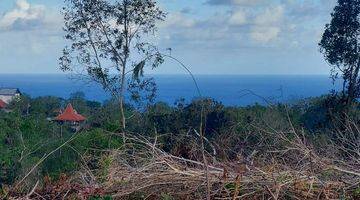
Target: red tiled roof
2, 104
71, 115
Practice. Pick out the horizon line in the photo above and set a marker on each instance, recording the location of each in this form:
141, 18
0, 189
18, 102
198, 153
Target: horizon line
172, 74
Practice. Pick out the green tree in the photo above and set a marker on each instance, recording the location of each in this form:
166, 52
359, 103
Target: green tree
340, 45
47, 106
109, 41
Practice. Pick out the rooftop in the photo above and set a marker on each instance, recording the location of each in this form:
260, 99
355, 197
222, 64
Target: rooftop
2, 104
9, 91
70, 115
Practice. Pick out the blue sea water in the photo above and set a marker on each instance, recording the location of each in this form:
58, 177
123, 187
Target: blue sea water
232, 90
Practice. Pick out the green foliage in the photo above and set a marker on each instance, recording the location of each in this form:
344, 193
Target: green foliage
230, 186
357, 192
45, 106
101, 198
103, 42
166, 197
340, 46
26, 135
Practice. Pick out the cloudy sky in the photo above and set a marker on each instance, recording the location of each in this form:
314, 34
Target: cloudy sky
210, 36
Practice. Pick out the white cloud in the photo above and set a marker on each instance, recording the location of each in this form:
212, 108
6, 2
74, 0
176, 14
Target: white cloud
181, 30
247, 2
32, 32
267, 25
264, 34
235, 2
23, 4
238, 18
178, 20
23, 16
271, 15
271, 23
240, 26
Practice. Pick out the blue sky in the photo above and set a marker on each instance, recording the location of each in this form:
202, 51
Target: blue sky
210, 36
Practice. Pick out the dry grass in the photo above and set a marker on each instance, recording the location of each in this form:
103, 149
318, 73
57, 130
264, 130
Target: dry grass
293, 170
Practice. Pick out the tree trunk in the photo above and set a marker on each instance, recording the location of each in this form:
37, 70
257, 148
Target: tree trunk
123, 73
353, 90
122, 110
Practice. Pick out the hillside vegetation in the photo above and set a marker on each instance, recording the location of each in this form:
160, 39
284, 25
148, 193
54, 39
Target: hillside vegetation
202, 149
302, 151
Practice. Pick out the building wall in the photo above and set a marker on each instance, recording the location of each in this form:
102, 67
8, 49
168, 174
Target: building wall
6, 98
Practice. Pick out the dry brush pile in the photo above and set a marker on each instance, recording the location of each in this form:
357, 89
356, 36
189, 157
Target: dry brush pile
291, 168
294, 169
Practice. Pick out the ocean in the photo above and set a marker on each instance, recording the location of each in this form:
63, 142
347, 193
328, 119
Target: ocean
231, 90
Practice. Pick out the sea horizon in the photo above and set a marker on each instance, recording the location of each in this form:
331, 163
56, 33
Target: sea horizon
231, 90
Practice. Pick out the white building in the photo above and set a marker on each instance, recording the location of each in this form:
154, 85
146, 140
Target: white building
8, 94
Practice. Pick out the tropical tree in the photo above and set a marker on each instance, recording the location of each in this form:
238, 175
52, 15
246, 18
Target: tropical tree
340, 45
109, 42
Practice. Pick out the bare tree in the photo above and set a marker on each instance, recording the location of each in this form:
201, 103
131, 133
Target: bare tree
109, 41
